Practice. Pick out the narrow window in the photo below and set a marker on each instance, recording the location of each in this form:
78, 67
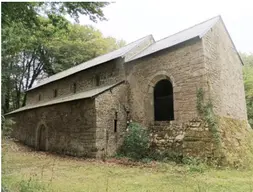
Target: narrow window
74, 87
115, 125
97, 80
55, 93
115, 122
39, 97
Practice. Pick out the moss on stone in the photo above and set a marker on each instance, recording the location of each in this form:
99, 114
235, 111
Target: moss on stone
237, 142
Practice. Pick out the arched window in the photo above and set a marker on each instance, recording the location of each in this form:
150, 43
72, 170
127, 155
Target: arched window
163, 101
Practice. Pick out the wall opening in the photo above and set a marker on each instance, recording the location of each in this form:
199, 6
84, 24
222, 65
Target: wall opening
116, 122
42, 138
97, 77
163, 101
74, 87
55, 93
115, 125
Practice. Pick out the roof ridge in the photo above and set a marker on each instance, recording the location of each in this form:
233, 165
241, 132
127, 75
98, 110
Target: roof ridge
61, 72
150, 35
111, 51
153, 41
188, 28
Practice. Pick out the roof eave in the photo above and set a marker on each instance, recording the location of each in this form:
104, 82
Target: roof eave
88, 97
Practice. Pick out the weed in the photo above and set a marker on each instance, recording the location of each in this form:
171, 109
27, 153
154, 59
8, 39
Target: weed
206, 111
31, 185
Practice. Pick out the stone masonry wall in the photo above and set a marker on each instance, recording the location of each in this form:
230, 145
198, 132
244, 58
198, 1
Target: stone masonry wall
109, 73
224, 71
183, 65
107, 104
70, 127
191, 138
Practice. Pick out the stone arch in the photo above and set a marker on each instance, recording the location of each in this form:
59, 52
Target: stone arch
149, 100
154, 79
41, 136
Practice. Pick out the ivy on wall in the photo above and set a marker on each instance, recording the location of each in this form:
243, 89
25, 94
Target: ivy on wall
207, 113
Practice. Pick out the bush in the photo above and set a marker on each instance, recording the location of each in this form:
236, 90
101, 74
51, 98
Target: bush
7, 126
136, 142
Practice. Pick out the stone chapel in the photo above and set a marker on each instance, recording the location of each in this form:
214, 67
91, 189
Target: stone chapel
84, 111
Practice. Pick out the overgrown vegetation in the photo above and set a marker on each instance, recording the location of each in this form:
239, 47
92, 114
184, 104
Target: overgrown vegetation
207, 113
136, 146
248, 84
136, 142
6, 125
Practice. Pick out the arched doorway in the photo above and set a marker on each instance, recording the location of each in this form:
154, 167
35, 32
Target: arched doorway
42, 138
163, 101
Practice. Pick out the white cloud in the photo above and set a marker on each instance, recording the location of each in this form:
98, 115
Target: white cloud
132, 20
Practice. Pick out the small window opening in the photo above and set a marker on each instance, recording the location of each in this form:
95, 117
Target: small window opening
39, 97
97, 80
55, 92
74, 87
116, 122
115, 125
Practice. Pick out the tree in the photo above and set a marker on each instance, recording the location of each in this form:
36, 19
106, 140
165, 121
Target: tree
248, 84
33, 37
28, 13
80, 44
29, 54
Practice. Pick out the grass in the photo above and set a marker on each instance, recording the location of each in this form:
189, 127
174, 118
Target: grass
27, 170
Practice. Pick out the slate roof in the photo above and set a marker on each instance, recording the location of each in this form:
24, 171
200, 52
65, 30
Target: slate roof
77, 96
93, 62
198, 30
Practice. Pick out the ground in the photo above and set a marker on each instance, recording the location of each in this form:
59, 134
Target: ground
26, 170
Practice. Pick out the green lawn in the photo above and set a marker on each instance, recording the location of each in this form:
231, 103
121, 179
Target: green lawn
25, 170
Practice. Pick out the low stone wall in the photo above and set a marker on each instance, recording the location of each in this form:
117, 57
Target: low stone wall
189, 139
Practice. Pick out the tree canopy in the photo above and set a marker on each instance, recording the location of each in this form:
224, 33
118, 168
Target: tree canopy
28, 13
37, 41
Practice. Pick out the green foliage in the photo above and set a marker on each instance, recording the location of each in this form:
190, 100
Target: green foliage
206, 111
38, 41
28, 13
7, 126
80, 44
136, 142
31, 54
248, 84
165, 156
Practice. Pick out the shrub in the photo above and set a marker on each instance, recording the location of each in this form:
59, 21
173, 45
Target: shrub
7, 126
136, 142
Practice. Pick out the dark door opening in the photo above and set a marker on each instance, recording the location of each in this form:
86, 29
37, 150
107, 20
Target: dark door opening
163, 101
42, 138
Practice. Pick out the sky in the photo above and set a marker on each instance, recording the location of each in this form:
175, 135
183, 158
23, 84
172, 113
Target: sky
131, 20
